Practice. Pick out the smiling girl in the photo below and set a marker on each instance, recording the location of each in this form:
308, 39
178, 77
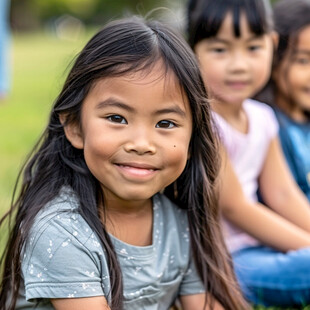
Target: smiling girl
117, 208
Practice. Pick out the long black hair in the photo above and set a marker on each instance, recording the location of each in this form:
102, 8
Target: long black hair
290, 17
205, 17
124, 46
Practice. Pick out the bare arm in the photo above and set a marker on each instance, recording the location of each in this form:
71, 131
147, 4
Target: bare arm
196, 302
280, 191
91, 303
254, 218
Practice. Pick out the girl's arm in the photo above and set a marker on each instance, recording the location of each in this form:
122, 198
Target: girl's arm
280, 191
254, 218
89, 303
196, 302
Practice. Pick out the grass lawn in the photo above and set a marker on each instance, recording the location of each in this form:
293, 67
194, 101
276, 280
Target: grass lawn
39, 66
40, 63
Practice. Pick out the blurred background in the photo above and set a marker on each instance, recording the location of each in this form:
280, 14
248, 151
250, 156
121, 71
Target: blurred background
38, 39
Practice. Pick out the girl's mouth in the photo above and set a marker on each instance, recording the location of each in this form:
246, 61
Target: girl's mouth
137, 169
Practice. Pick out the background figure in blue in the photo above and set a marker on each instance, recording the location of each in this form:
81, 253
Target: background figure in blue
288, 89
4, 42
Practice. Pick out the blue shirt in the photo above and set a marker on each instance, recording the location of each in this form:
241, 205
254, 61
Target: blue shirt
295, 140
64, 258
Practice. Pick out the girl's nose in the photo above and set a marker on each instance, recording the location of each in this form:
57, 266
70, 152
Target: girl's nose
238, 62
140, 143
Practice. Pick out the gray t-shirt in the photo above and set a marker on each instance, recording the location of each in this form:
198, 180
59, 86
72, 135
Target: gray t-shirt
63, 258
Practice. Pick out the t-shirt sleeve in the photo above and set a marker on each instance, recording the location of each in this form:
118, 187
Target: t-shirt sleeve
191, 283
58, 263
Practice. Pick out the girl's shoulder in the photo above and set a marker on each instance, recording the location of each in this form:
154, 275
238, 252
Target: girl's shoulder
258, 108
261, 117
62, 256
59, 221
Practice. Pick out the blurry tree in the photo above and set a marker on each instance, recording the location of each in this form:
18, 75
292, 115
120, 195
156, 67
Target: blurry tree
29, 14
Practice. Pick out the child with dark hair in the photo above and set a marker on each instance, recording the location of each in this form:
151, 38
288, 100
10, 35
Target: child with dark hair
117, 208
234, 41
288, 91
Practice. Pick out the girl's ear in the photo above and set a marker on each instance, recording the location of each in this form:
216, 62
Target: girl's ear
275, 39
72, 132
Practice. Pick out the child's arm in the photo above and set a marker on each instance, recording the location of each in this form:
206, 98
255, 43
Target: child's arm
254, 218
280, 191
89, 303
196, 302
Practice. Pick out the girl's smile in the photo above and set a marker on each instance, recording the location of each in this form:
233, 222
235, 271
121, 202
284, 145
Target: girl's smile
135, 132
137, 172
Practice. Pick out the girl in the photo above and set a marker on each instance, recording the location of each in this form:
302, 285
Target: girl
131, 121
288, 91
233, 41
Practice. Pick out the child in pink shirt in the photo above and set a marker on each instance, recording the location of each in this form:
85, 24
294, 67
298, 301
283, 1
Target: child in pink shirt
270, 247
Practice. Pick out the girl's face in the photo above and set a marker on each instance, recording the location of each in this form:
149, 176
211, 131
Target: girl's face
135, 133
234, 68
292, 77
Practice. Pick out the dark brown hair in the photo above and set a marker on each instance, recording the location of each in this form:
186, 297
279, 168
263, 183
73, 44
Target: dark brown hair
205, 17
124, 46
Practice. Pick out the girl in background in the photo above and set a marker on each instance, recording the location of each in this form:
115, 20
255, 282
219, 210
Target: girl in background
117, 203
288, 91
234, 41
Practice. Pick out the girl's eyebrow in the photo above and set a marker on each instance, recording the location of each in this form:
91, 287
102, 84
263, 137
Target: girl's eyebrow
297, 51
255, 37
112, 102
224, 41
173, 109
218, 40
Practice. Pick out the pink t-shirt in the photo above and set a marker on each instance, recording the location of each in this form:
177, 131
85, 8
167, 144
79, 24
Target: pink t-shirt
247, 153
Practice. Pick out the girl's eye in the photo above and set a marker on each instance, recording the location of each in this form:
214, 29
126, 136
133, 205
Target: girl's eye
302, 61
219, 50
254, 48
165, 124
117, 119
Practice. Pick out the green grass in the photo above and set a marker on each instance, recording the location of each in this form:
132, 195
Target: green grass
39, 66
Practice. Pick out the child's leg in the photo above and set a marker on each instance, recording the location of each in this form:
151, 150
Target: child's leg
269, 277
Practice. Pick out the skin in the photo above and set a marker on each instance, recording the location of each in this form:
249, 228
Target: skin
234, 69
292, 78
135, 132
272, 228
